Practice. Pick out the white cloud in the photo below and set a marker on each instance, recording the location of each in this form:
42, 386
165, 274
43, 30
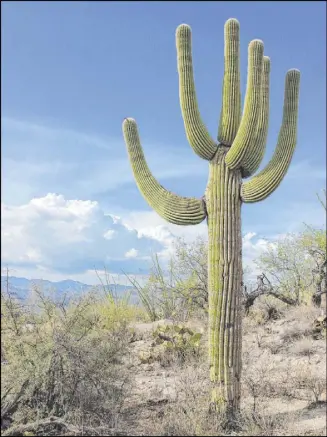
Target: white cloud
151, 225
247, 237
108, 235
54, 237
72, 236
132, 253
252, 248
57, 237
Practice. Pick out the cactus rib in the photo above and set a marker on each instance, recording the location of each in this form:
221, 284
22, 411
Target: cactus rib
237, 156
196, 132
230, 115
254, 154
175, 209
263, 184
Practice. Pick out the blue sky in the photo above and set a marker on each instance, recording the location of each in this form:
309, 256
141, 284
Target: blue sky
71, 72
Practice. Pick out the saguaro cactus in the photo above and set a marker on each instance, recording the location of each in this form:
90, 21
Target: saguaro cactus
236, 155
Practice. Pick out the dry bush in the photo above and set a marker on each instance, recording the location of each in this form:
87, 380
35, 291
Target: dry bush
260, 335
264, 376
299, 323
307, 385
274, 346
66, 365
259, 424
265, 309
295, 331
257, 378
303, 347
249, 325
256, 316
314, 433
303, 313
272, 308
264, 340
299, 382
189, 414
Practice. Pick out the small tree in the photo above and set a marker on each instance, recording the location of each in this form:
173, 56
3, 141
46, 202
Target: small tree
289, 268
314, 241
296, 266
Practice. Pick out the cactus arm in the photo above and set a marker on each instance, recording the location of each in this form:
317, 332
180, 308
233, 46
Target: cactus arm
246, 134
230, 115
263, 184
196, 132
254, 154
175, 209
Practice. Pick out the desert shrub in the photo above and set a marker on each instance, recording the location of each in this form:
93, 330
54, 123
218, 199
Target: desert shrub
189, 415
119, 312
295, 331
63, 361
300, 382
257, 315
306, 384
303, 313
303, 347
257, 376
258, 424
266, 309
299, 323
274, 346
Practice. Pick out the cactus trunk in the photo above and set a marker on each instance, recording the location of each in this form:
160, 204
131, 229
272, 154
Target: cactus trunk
225, 273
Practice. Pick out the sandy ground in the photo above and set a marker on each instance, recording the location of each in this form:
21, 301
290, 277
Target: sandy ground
270, 354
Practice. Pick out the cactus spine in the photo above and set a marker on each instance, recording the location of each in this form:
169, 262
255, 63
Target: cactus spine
236, 155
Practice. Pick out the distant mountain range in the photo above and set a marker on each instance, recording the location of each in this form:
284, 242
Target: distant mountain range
21, 287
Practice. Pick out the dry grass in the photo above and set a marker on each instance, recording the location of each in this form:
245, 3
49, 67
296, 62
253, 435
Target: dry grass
189, 415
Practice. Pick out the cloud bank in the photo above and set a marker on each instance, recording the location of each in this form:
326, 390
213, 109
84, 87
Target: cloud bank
70, 238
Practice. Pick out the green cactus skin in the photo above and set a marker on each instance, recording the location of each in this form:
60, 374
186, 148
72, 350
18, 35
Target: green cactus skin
237, 154
224, 277
230, 115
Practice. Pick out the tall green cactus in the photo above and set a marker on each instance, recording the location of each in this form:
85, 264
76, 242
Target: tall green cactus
237, 154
